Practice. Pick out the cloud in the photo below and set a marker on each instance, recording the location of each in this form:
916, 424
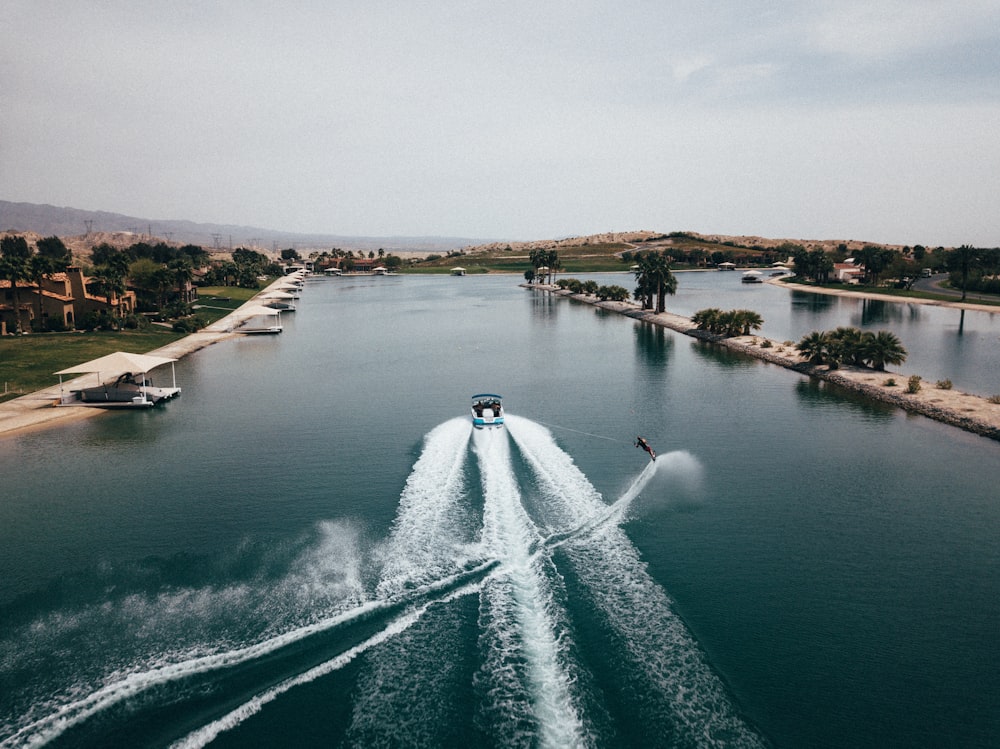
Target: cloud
475, 118
889, 29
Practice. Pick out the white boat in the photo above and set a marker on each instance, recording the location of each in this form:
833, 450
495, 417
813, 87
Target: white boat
487, 410
135, 390
752, 276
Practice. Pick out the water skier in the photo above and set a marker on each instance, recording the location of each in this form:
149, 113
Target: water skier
641, 442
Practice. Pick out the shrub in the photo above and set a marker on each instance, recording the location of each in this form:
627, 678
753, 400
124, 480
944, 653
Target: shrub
943, 385
766, 344
614, 292
135, 322
890, 383
190, 324
913, 384
994, 399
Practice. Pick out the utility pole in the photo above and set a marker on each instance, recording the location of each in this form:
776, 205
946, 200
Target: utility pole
215, 238
90, 225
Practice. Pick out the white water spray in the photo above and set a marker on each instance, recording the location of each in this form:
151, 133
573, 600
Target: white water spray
433, 522
518, 609
609, 567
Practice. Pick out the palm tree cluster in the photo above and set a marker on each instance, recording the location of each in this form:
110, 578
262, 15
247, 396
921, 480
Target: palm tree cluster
814, 264
592, 288
730, 323
852, 346
654, 279
548, 259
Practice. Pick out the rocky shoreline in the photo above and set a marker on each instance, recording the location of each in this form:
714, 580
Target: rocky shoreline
966, 411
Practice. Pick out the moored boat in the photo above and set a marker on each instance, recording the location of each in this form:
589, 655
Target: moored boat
487, 410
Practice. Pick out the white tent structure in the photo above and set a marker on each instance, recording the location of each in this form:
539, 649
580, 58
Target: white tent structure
247, 322
288, 288
126, 390
278, 299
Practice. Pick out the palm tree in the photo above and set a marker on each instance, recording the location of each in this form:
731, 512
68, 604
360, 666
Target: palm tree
14, 257
707, 319
552, 258
814, 347
111, 280
182, 272
748, 321
39, 267
883, 348
163, 281
538, 259
653, 278
962, 260
851, 342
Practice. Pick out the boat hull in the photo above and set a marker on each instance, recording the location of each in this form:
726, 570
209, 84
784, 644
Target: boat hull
487, 411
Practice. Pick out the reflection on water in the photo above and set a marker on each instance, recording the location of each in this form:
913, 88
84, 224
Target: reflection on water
727, 358
653, 344
875, 311
803, 301
818, 393
544, 306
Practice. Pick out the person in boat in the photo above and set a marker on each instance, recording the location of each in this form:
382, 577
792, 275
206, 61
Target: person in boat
641, 442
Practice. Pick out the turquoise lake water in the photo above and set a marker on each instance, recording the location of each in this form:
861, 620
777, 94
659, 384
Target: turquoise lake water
312, 546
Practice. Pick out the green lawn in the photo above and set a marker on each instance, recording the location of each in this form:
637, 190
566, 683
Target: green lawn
215, 302
27, 362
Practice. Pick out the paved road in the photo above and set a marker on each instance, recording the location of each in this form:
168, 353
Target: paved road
933, 285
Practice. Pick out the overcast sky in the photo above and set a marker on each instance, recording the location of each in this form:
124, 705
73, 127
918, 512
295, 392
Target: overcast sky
875, 119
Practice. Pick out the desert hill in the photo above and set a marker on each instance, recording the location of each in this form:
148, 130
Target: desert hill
94, 227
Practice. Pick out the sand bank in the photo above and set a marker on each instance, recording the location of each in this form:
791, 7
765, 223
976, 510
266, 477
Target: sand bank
970, 412
38, 410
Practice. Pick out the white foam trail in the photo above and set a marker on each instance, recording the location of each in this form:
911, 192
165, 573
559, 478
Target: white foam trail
611, 570
67, 716
52, 726
208, 733
401, 687
518, 610
433, 520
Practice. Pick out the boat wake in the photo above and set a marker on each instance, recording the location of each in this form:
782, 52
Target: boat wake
503, 541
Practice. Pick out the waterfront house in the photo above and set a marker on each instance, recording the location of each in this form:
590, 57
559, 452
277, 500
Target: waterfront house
65, 298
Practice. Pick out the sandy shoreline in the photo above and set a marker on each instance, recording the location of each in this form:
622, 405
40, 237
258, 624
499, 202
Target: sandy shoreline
972, 413
39, 410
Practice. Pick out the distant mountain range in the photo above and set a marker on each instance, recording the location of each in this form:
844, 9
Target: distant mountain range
72, 222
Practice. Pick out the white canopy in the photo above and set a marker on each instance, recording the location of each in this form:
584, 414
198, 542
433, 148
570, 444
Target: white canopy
753, 273
120, 361
255, 309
